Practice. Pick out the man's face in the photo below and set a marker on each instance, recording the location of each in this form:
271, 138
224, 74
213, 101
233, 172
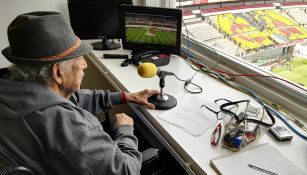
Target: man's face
73, 74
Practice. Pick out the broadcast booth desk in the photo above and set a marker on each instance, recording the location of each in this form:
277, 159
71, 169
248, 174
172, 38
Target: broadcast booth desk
192, 153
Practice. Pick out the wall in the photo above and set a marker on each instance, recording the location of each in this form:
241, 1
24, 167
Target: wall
9, 9
263, 55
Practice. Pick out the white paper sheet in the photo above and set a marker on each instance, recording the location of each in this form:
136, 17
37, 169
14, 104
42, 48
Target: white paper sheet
191, 116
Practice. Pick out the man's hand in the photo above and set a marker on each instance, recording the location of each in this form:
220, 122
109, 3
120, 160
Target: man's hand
141, 97
123, 119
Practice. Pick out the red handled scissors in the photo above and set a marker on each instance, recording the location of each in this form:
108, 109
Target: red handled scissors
216, 135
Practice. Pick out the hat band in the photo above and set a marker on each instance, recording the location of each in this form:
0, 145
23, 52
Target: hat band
65, 53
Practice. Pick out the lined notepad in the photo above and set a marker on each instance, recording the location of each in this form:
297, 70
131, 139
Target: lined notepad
264, 156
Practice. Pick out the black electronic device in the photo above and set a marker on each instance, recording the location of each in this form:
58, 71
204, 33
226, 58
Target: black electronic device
150, 29
152, 56
281, 133
125, 63
115, 56
97, 19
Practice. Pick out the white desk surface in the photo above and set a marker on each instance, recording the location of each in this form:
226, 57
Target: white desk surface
198, 149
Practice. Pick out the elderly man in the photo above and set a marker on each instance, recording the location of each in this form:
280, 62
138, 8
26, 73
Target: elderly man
47, 122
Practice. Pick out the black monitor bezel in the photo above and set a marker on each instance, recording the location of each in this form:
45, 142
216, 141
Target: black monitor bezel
177, 13
99, 4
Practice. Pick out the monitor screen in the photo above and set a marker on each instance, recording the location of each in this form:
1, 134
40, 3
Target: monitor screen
96, 19
151, 28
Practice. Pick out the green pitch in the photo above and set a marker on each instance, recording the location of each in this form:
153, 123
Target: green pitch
298, 72
139, 35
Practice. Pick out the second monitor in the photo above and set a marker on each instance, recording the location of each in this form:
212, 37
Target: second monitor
151, 29
97, 19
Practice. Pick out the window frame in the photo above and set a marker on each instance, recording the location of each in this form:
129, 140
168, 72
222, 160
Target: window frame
278, 92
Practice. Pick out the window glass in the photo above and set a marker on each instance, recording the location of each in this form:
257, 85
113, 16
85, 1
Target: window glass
271, 36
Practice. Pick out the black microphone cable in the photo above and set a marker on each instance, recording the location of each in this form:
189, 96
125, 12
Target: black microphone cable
189, 82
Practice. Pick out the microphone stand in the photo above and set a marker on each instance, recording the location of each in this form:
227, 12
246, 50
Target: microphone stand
163, 101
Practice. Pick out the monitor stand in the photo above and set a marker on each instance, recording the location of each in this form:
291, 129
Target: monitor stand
105, 44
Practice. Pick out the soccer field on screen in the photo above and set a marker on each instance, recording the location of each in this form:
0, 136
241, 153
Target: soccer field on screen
139, 35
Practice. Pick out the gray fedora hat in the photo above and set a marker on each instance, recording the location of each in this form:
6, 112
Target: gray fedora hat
40, 38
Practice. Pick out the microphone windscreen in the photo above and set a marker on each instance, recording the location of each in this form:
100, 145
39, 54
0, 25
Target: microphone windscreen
147, 70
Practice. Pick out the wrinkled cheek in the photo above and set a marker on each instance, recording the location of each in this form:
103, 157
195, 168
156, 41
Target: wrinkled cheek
81, 77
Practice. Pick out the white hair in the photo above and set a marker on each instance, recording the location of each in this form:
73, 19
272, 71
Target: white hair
41, 74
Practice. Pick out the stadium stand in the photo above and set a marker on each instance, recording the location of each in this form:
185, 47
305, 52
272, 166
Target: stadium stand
203, 32
298, 15
191, 21
235, 8
227, 47
294, 3
265, 35
187, 13
255, 31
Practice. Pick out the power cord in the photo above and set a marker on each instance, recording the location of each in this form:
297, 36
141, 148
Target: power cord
188, 82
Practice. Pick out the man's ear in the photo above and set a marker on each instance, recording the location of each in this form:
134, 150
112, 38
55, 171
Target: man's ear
56, 73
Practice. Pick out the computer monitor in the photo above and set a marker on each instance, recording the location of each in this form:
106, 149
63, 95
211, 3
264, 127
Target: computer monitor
151, 28
97, 19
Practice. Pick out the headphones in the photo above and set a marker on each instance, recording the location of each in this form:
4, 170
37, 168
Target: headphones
239, 118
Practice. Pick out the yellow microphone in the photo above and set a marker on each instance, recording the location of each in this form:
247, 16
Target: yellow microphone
162, 101
147, 70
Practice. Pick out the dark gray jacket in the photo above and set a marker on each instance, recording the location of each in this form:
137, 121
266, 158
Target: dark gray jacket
51, 135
